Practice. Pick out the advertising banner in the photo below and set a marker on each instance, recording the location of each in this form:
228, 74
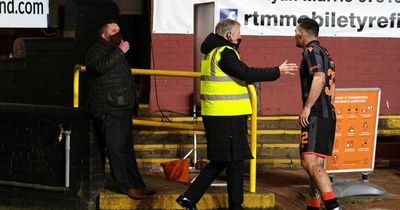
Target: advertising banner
357, 112
24, 13
345, 18
173, 16
337, 18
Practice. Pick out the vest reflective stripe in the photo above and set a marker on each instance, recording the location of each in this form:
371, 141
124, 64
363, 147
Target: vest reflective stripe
224, 97
221, 79
212, 69
220, 94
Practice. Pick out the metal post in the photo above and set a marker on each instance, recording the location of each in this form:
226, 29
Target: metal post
194, 137
67, 155
364, 177
253, 137
67, 152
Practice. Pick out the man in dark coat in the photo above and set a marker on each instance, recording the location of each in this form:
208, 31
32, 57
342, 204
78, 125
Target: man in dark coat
225, 109
111, 101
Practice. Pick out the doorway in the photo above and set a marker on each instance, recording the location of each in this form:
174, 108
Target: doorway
135, 28
203, 25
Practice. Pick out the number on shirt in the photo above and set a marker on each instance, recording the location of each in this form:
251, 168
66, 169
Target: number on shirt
331, 87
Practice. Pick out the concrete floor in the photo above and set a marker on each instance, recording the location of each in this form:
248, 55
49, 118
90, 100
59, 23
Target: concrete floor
288, 186
291, 188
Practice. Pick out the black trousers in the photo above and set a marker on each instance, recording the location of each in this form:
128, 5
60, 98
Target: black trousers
210, 173
114, 131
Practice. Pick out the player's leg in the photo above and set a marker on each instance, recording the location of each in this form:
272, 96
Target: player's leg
314, 199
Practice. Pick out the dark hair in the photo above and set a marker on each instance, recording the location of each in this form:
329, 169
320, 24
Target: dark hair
309, 25
104, 24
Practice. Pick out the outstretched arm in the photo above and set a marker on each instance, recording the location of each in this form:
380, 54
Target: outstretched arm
231, 65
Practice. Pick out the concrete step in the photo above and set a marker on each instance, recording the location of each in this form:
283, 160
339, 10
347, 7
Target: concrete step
168, 191
264, 136
166, 201
283, 128
149, 156
277, 141
285, 122
152, 165
387, 153
268, 155
264, 122
171, 151
186, 136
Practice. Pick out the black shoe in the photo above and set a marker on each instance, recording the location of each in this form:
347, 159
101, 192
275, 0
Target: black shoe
332, 204
186, 203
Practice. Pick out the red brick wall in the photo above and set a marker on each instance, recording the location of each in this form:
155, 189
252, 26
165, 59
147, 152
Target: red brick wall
172, 52
360, 62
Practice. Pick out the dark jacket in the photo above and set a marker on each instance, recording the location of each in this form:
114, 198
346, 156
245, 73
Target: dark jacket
110, 81
232, 66
226, 136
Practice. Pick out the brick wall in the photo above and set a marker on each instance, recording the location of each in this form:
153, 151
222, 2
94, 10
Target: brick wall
172, 52
43, 74
361, 62
12, 72
31, 153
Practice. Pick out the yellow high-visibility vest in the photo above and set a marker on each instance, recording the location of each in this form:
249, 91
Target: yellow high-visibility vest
220, 94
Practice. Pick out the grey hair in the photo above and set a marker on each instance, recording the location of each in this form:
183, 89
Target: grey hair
225, 26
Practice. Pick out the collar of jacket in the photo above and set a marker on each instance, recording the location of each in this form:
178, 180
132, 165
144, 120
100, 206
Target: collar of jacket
312, 42
105, 42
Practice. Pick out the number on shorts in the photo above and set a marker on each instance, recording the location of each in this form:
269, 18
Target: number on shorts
304, 138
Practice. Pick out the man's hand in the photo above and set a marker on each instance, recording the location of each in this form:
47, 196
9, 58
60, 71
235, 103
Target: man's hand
288, 68
124, 46
303, 118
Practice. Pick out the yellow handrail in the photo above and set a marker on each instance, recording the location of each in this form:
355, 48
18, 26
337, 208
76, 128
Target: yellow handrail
253, 136
166, 73
168, 125
77, 68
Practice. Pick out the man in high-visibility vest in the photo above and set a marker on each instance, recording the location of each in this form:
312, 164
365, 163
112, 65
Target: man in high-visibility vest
225, 106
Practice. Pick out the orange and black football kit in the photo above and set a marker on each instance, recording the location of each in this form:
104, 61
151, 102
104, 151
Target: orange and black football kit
318, 137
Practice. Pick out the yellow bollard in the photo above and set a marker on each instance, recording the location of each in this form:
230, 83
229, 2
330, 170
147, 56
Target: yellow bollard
253, 137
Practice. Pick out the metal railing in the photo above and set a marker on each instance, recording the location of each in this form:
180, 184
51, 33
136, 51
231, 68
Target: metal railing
77, 69
253, 126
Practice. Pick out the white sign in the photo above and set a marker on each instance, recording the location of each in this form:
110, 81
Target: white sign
24, 13
173, 16
337, 18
